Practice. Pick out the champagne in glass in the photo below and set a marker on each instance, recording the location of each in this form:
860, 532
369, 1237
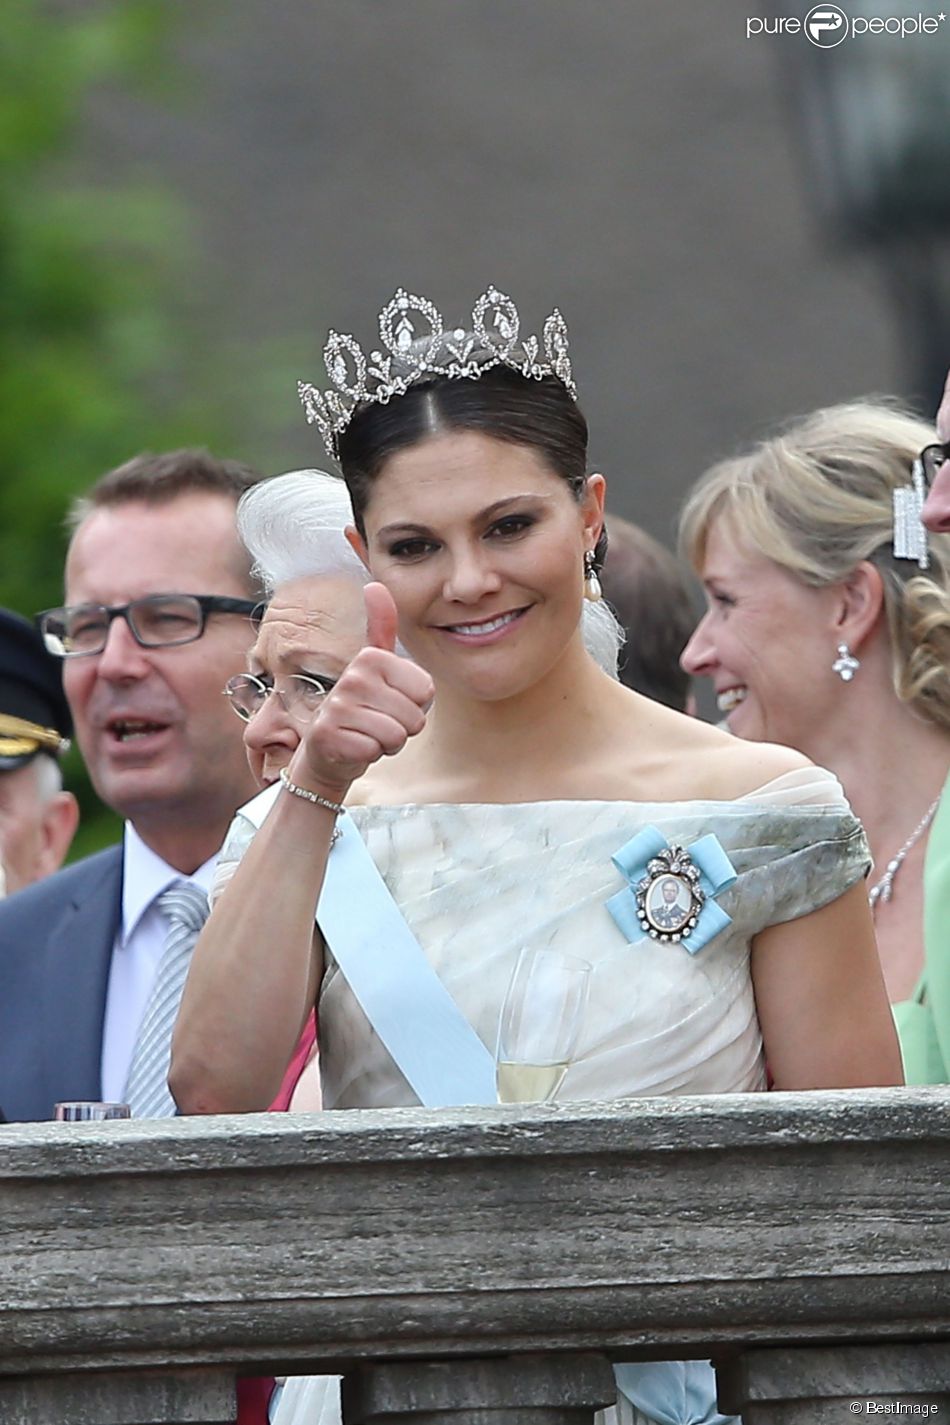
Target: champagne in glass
540, 1023
528, 1083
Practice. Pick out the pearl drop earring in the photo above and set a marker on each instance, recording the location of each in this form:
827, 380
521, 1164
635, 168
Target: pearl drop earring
592, 590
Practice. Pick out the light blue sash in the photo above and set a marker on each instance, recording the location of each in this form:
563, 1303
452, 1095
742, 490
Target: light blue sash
434, 1046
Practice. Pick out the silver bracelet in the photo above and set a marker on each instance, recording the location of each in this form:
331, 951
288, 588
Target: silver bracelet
308, 796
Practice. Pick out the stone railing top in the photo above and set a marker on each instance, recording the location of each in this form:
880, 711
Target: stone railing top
701, 1123
648, 1226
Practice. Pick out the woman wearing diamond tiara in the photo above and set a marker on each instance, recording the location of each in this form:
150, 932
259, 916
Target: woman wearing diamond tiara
511, 794
825, 632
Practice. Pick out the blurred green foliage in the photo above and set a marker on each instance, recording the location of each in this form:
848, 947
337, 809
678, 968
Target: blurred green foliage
94, 363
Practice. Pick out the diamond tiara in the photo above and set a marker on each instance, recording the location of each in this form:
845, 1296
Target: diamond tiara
413, 334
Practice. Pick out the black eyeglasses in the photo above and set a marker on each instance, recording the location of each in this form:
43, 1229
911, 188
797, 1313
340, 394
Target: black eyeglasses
156, 621
931, 458
299, 695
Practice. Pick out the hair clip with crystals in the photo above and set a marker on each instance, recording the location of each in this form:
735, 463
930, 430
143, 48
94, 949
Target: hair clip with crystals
910, 533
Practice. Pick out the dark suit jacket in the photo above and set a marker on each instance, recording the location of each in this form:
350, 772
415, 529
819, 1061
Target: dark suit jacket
56, 941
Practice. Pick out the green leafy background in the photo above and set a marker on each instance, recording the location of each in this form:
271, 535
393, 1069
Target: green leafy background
96, 362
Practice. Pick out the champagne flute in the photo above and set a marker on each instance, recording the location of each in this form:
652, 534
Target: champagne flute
540, 1023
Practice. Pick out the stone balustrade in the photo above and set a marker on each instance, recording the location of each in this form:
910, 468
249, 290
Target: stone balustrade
483, 1265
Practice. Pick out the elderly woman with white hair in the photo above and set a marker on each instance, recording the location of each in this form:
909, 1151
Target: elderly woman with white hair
313, 624
314, 621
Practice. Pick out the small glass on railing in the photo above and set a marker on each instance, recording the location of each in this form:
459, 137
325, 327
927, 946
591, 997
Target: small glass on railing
89, 1111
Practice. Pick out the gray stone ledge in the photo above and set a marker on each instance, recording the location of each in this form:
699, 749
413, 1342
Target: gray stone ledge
654, 1125
651, 1227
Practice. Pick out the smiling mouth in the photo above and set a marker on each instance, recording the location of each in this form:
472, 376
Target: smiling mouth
472, 630
130, 728
730, 698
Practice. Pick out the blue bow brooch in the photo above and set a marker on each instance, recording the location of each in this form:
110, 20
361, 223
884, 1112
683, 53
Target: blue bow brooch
671, 890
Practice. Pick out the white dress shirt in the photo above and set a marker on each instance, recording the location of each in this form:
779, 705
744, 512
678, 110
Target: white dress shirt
138, 948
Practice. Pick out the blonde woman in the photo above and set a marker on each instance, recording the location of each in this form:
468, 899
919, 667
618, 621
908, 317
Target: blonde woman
819, 637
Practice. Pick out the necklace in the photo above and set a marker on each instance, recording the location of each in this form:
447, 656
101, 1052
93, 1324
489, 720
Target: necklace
884, 888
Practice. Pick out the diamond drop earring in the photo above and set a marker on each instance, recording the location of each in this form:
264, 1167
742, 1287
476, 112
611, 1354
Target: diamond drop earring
592, 590
845, 665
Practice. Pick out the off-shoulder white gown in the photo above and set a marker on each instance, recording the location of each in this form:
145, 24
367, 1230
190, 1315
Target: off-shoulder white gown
476, 883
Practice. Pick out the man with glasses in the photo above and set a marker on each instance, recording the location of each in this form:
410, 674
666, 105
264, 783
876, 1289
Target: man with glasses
155, 620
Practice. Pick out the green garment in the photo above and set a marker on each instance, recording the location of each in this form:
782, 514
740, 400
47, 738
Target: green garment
923, 1021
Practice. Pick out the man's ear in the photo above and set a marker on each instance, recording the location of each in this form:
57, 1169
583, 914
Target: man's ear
60, 820
358, 545
861, 605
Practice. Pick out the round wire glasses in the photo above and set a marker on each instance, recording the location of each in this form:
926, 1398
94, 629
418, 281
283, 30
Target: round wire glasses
299, 694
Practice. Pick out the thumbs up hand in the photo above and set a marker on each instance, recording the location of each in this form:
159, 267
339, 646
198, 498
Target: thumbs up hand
381, 617
378, 703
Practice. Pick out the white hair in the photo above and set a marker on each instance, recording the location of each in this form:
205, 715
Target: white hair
292, 526
47, 778
603, 635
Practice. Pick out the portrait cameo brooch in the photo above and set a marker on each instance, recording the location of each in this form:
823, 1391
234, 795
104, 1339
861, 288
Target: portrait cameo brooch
671, 892
669, 897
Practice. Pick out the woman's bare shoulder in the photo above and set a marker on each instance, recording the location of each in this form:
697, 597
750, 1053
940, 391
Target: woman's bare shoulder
738, 767
369, 790
687, 759
389, 782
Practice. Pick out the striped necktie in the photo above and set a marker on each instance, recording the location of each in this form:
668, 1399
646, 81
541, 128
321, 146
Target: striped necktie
185, 907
